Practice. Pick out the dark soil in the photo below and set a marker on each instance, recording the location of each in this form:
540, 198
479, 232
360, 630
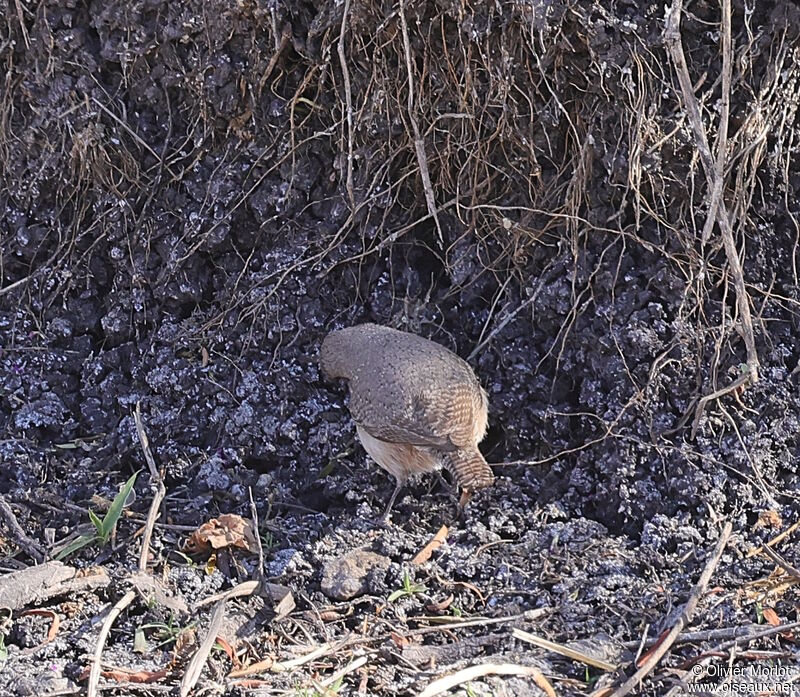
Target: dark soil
194, 193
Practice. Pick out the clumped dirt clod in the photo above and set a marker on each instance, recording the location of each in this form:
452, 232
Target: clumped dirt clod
194, 193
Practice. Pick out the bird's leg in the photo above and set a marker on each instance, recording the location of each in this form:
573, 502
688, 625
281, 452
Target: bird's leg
451, 489
466, 495
385, 517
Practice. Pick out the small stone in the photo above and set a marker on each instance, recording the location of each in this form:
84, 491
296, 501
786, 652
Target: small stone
349, 576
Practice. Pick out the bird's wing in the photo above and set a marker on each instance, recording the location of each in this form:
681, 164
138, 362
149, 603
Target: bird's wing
449, 413
441, 419
408, 434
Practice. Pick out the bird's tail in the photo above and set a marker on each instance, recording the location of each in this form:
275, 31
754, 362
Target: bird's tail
469, 468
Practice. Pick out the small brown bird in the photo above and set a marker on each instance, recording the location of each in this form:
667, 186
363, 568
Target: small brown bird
417, 406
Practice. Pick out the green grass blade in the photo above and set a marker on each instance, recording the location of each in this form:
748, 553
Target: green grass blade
115, 509
98, 524
75, 545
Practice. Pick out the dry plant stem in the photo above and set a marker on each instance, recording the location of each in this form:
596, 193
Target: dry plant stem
770, 631
127, 599
419, 145
793, 571
738, 634
349, 668
681, 687
775, 540
94, 673
133, 134
195, 667
242, 590
254, 516
562, 650
20, 537
23, 28
272, 666
672, 39
759, 478
685, 617
280, 46
442, 685
348, 96
724, 113
13, 285
160, 493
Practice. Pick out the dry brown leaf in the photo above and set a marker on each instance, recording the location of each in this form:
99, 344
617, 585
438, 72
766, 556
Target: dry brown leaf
228, 649
399, 640
769, 519
544, 684
127, 675
441, 606
333, 615
251, 684
258, 667
228, 530
55, 622
185, 645
771, 616
643, 658
425, 553
137, 676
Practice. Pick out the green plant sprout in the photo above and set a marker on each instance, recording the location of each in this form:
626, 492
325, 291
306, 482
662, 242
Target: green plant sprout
409, 588
102, 528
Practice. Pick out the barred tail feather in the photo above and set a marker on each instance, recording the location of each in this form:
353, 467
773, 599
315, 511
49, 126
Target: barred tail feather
468, 468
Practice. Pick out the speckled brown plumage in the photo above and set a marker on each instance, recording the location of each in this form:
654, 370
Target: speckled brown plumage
417, 405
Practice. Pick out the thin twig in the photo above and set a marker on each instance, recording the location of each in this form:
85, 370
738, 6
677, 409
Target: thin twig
724, 113
94, 673
13, 285
339, 674
672, 39
30, 546
682, 686
793, 571
544, 282
419, 144
742, 380
763, 634
745, 632
127, 599
348, 103
775, 540
155, 477
273, 666
199, 659
257, 535
442, 685
241, 591
563, 650
281, 596
23, 28
133, 134
685, 617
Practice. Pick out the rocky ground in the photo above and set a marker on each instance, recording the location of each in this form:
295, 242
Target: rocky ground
195, 193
